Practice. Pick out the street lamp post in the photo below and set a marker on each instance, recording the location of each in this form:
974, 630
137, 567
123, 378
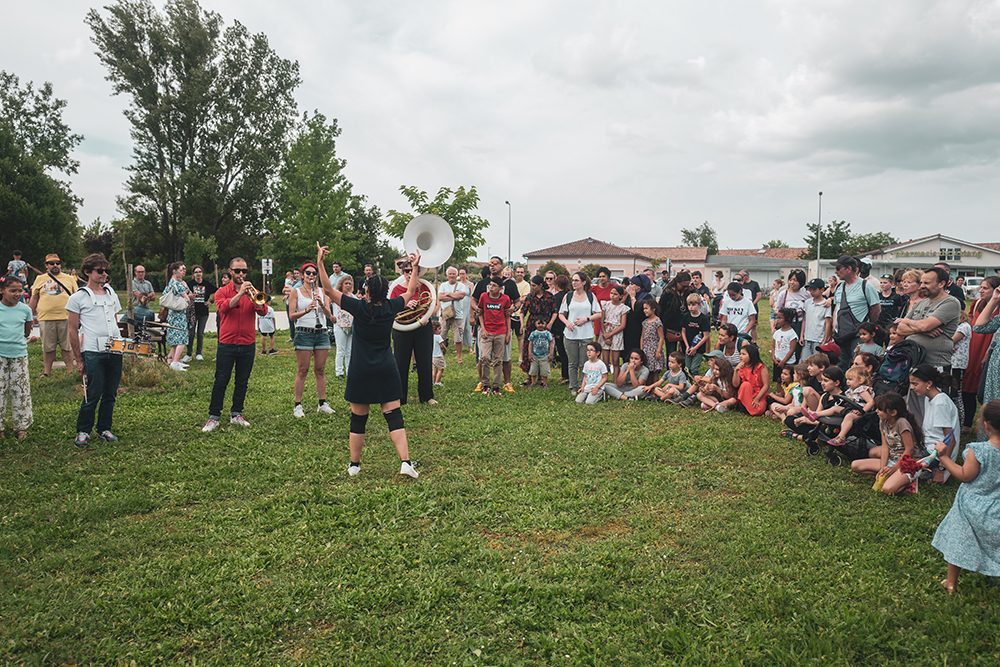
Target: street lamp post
509, 262
819, 229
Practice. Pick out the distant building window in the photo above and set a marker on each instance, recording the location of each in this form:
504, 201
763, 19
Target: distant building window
950, 255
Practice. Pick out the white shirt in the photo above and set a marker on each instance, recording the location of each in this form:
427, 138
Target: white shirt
98, 317
461, 306
576, 310
738, 312
783, 342
815, 327
940, 413
436, 351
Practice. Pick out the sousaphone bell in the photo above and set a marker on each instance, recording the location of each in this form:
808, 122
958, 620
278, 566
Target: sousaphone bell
431, 236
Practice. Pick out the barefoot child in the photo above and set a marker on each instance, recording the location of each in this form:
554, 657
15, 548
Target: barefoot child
15, 327
541, 348
969, 536
751, 381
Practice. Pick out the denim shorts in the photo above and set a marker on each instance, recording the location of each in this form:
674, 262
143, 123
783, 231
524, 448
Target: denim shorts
311, 339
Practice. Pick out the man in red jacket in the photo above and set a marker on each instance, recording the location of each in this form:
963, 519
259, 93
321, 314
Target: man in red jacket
237, 337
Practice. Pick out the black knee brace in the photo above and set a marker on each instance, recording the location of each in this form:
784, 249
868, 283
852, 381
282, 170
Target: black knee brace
358, 423
394, 419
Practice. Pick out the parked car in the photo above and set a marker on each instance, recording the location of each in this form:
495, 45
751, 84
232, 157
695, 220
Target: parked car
972, 284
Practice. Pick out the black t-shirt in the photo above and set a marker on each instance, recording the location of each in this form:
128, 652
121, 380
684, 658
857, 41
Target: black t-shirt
754, 288
704, 291
673, 308
695, 328
202, 292
892, 307
957, 292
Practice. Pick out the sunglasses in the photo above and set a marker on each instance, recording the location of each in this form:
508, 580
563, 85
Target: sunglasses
238, 270
53, 263
101, 271
310, 273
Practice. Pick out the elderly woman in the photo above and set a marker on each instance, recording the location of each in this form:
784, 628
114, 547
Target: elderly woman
909, 285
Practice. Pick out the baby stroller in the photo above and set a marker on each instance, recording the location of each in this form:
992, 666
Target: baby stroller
864, 435
893, 376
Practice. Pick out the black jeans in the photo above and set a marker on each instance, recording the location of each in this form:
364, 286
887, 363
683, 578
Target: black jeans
847, 353
228, 356
418, 345
197, 330
103, 371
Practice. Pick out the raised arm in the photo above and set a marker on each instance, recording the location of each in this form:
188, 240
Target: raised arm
335, 294
411, 287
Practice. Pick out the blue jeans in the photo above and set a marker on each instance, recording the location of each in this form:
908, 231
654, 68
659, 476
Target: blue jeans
103, 371
226, 358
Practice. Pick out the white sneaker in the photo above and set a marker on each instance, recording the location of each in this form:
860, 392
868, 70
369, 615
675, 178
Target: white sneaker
325, 409
353, 470
186, 358
720, 408
177, 366
407, 469
200, 358
210, 426
298, 412
239, 420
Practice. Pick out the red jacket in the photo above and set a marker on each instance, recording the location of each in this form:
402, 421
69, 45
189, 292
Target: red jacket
237, 325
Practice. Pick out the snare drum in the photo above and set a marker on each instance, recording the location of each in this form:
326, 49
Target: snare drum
129, 346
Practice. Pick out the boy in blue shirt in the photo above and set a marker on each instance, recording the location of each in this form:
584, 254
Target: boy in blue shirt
541, 344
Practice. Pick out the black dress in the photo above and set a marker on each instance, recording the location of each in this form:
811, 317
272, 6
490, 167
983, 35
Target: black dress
372, 376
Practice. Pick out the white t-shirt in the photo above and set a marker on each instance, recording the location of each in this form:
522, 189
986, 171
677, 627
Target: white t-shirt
437, 351
265, 323
794, 300
461, 306
593, 371
578, 309
738, 312
814, 329
98, 317
940, 413
783, 342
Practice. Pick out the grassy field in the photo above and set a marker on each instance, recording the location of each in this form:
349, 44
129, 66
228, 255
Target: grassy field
540, 532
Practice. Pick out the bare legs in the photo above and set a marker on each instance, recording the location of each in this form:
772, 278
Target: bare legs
302, 358
357, 440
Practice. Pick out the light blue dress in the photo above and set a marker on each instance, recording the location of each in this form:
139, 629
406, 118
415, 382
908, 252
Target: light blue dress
969, 536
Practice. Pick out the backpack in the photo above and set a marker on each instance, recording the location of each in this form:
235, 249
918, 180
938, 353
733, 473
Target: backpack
893, 376
569, 297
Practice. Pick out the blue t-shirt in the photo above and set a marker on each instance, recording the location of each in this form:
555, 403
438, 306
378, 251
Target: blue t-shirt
13, 344
540, 343
856, 294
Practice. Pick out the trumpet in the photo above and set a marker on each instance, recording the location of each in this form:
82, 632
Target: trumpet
257, 296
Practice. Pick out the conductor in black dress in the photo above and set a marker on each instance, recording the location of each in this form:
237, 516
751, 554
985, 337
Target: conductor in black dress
372, 376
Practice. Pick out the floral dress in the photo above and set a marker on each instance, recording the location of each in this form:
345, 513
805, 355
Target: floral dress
991, 383
969, 536
612, 320
177, 318
650, 342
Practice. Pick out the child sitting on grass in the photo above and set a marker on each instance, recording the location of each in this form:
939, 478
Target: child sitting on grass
832, 382
674, 381
541, 348
791, 392
720, 387
595, 374
859, 390
813, 388
969, 536
689, 397
901, 436
631, 380
867, 331
751, 381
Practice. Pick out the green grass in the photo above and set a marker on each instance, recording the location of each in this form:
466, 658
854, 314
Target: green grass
540, 531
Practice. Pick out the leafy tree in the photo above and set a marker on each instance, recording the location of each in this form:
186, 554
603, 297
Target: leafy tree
99, 237
776, 243
590, 270
702, 236
457, 207
211, 110
312, 198
367, 226
554, 266
836, 237
200, 250
34, 119
38, 215
862, 243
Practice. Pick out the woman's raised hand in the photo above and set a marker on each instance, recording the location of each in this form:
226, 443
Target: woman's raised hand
322, 251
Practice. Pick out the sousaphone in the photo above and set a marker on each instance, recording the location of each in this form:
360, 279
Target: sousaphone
432, 237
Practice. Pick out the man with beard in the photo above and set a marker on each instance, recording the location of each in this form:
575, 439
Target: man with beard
49, 295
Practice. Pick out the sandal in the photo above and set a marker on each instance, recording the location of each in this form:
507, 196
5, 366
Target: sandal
835, 442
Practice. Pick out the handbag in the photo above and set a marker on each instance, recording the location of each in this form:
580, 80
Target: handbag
448, 312
173, 301
673, 336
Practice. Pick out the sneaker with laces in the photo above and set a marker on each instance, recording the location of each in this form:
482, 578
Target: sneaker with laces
210, 425
239, 420
509, 388
186, 358
353, 470
719, 407
199, 357
407, 469
107, 436
82, 439
479, 388
324, 408
297, 412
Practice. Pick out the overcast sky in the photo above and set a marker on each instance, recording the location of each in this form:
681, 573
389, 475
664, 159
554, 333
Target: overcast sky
622, 121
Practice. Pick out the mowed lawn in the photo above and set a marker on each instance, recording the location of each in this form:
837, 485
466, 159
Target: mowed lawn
540, 531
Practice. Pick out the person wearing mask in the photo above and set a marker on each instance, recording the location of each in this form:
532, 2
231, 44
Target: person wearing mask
49, 295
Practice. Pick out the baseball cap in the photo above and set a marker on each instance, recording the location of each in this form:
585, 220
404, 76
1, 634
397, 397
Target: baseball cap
537, 280
714, 354
830, 348
886, 276
816, 283
52, 257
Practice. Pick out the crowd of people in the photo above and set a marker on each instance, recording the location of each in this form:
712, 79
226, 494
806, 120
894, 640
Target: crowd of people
885, 374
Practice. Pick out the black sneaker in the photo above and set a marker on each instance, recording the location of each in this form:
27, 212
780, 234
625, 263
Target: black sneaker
497, 391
